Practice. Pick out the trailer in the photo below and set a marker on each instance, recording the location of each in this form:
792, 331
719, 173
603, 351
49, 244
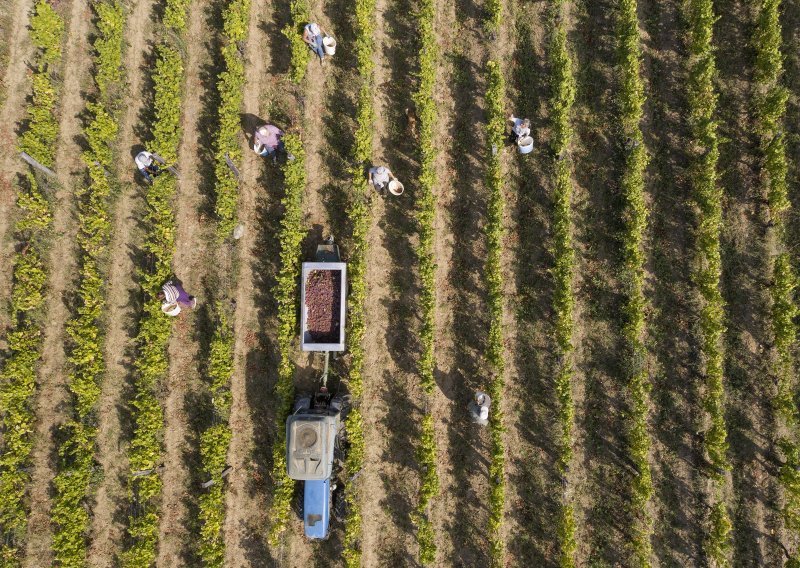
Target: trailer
323, 290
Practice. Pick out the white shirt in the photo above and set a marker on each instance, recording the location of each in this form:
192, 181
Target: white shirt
519, 130
380, 175
313, 29
143, 159
170, 293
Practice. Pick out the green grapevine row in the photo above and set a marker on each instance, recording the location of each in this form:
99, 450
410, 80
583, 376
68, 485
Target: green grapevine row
561, 103
359, 214
152, 363
301, 15
18, 376
771, 99
290, 237
230, 85
426, 111
708, 195
632, 185
73, 481
215, 440
495, 103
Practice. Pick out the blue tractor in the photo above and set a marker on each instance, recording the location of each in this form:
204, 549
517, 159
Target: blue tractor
311, 438
315, 426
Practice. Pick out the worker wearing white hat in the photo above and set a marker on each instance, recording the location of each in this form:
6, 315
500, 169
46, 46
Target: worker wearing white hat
379, 177
479, 408
147, 165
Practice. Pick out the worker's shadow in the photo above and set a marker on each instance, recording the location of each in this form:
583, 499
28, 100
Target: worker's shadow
249, 122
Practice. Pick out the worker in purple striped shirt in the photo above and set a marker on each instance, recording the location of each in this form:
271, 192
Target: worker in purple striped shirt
174, 298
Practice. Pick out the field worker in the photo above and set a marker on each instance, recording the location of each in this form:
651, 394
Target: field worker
312, 35
479, 408
174, 298
520, 128
267, 140
147, 165
379, 177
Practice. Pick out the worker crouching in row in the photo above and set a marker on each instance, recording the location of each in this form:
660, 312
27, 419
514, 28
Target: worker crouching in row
268, 142
319, 41
520, 134
174, 298
147, 165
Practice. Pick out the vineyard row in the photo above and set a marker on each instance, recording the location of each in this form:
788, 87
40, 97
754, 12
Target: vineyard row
770, 106
74, 478
360, 219
145, 453
215, 439
18, 377
633, 253
561, 103
426, 112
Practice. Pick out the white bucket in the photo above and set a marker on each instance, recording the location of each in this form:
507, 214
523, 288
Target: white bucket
171, 309
396, 188
329, 44
525, 145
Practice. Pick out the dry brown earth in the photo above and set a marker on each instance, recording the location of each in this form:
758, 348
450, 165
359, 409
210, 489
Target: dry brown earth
601, 470
460, 514
534, 487
676, 380
392, 400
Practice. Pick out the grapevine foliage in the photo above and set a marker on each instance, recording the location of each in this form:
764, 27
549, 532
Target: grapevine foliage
74, 479
18, 375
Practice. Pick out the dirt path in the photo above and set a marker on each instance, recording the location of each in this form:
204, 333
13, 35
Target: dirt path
533, 484
16, 84
123, 300
677, 451
188, 346
392, 395
51, 393
746, 278
246, 519
460, 514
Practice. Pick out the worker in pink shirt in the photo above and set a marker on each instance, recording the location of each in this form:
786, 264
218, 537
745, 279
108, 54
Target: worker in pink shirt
268, 140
